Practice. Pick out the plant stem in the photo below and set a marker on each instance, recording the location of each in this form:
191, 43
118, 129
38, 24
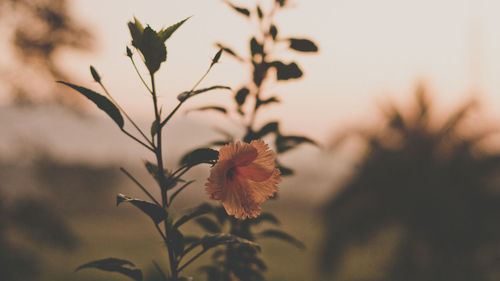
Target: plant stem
191, 260
140, 76
139, 185
125, 113
162, 181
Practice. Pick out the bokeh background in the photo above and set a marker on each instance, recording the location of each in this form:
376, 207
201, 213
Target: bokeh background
401, 99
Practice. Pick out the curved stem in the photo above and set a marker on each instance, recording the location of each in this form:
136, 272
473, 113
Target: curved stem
125, 113
140, 76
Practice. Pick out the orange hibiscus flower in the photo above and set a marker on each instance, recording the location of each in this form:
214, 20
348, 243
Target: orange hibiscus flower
244, 177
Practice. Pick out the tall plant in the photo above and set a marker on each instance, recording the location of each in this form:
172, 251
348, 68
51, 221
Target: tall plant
266, 46
243, 176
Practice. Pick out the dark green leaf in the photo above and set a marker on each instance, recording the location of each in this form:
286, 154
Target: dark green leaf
282, 3
154, 171
229, 51
199, 156
271, 127
286, 71
155, 212
302, 45
255, 47
101, 101
259, 72
154, 128
208, 224
278, 234
265, 217
220, 142
115, 265
241, 96
216, 108
267, 101
199, 211
185, 95
95, 75
153, 49
177, 239
136, 30
216, 57
129, 52
165, 33
162, 273
211, 241
240, 10
285, 143
273, 30
284, 171
260, 14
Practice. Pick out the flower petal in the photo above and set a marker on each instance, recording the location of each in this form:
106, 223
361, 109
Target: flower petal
240, 153
261, 191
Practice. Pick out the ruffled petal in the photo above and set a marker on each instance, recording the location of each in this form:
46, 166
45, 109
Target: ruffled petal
240, 153
265, 157
261, 191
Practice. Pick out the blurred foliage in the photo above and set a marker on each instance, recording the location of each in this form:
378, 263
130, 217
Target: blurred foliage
36, 31
436, 184
265, 49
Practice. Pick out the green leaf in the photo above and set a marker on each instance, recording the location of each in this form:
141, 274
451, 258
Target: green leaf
260, 14
240, 10
165, 33
255, 47
208, 224
216, 58
136, 30
160, 271
154, 128
273, 30
284, 171
282, 3
267, 101
177, 241
286, 71
241, 96
229, 51
271, 127
278, 234
201, 210
187, 94
153, 49
94, 74
302, 45
214, 240
114, 265
155, 212
285, 143
101, 101
216, 108
265, 217
200, 156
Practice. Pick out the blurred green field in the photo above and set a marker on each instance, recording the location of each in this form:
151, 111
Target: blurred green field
124, 233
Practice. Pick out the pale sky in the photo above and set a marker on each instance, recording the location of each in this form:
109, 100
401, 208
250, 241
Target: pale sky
369, 50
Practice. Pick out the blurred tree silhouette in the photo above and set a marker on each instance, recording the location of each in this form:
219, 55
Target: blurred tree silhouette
37, 31
435, 185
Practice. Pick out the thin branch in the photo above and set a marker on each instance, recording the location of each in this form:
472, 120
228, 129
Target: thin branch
137, 140
140, 76
191, 260
139, 185
125, 113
